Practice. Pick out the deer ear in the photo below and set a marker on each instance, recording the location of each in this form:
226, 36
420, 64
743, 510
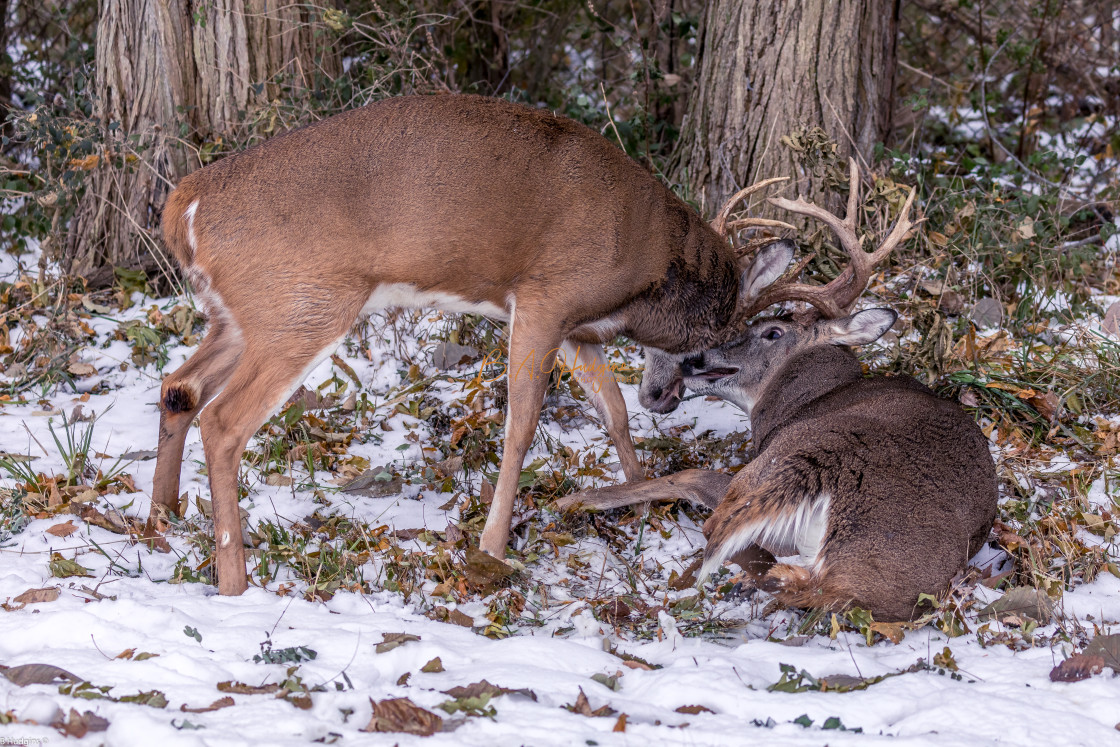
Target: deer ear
768, 265
858, 329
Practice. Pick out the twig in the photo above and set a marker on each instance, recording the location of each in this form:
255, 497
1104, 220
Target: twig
992, 135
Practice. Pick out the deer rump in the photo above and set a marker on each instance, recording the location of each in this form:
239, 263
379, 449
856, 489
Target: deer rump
883, 489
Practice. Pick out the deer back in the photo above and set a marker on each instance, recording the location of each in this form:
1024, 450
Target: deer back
456, 197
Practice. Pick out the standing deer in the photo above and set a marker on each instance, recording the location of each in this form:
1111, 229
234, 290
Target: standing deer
461, 203
882, 489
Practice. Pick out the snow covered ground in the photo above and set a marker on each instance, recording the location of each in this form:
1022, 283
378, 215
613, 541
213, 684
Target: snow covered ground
283, 666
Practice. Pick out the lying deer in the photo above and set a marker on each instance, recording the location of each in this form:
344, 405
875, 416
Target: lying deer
883, 490
461, 203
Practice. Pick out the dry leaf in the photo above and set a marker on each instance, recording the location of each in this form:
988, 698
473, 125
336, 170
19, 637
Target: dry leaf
1077, 667
240, 688
391, 641
615, 612
1047, 404
485, 571
217, 705
38, 596
486, 492
1111, 322
620, 724
63, 530
402, 715
1108, 648
485, 689
432, 667
692, 710
38, 674
1018, 603
582, 706
77, 725
893, 632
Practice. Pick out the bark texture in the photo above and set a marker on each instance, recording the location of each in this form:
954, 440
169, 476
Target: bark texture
171, 74
770, 68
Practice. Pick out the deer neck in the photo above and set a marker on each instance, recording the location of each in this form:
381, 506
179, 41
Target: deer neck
802, 380
689, 305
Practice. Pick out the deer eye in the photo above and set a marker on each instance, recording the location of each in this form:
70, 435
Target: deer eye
772, 334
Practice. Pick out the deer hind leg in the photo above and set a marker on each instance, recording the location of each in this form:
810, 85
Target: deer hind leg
588, 364
266, 374
532, 356
183, 394
796, 586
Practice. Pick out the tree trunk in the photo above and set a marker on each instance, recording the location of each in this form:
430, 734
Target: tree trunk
771, 69
171, 74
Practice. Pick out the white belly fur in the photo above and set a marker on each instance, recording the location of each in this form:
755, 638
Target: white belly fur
407, 295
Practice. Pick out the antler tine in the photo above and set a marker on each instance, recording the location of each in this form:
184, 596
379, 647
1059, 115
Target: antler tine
720, 223
735, 225
844, 229
837, 297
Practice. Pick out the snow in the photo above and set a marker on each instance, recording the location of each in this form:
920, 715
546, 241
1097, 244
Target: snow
1001, 694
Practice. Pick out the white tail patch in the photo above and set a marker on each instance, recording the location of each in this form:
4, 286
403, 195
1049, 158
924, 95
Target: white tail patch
800, 531
188, 215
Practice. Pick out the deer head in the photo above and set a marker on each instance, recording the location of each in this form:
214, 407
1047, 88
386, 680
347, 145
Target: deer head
767, 280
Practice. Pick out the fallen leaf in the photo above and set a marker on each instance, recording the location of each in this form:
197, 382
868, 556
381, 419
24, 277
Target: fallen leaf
615, 612
402, 715
486, 492
77, 725
478, 689
447, 355
240, 688
1108, 648
582, 706
139, 456
1018, 603
687, 579
433, 667
1047, 404
375, 483
217, 705
484, 571
1111, 322
1025, 228
63, 530
987, 312
893, 632
692, 710
391, 641
442, 614
620, 724
81, 369
1077, 667
38, 596
61, 567
111, 521
38, 674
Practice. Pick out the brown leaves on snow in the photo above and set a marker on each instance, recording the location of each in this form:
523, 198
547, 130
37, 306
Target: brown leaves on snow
402, 715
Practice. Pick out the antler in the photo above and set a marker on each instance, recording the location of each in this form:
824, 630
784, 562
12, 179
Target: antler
726, 230
837, 297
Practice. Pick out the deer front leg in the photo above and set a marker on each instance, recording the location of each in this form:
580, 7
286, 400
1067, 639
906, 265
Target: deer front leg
701, 487
588, 364
532, 356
